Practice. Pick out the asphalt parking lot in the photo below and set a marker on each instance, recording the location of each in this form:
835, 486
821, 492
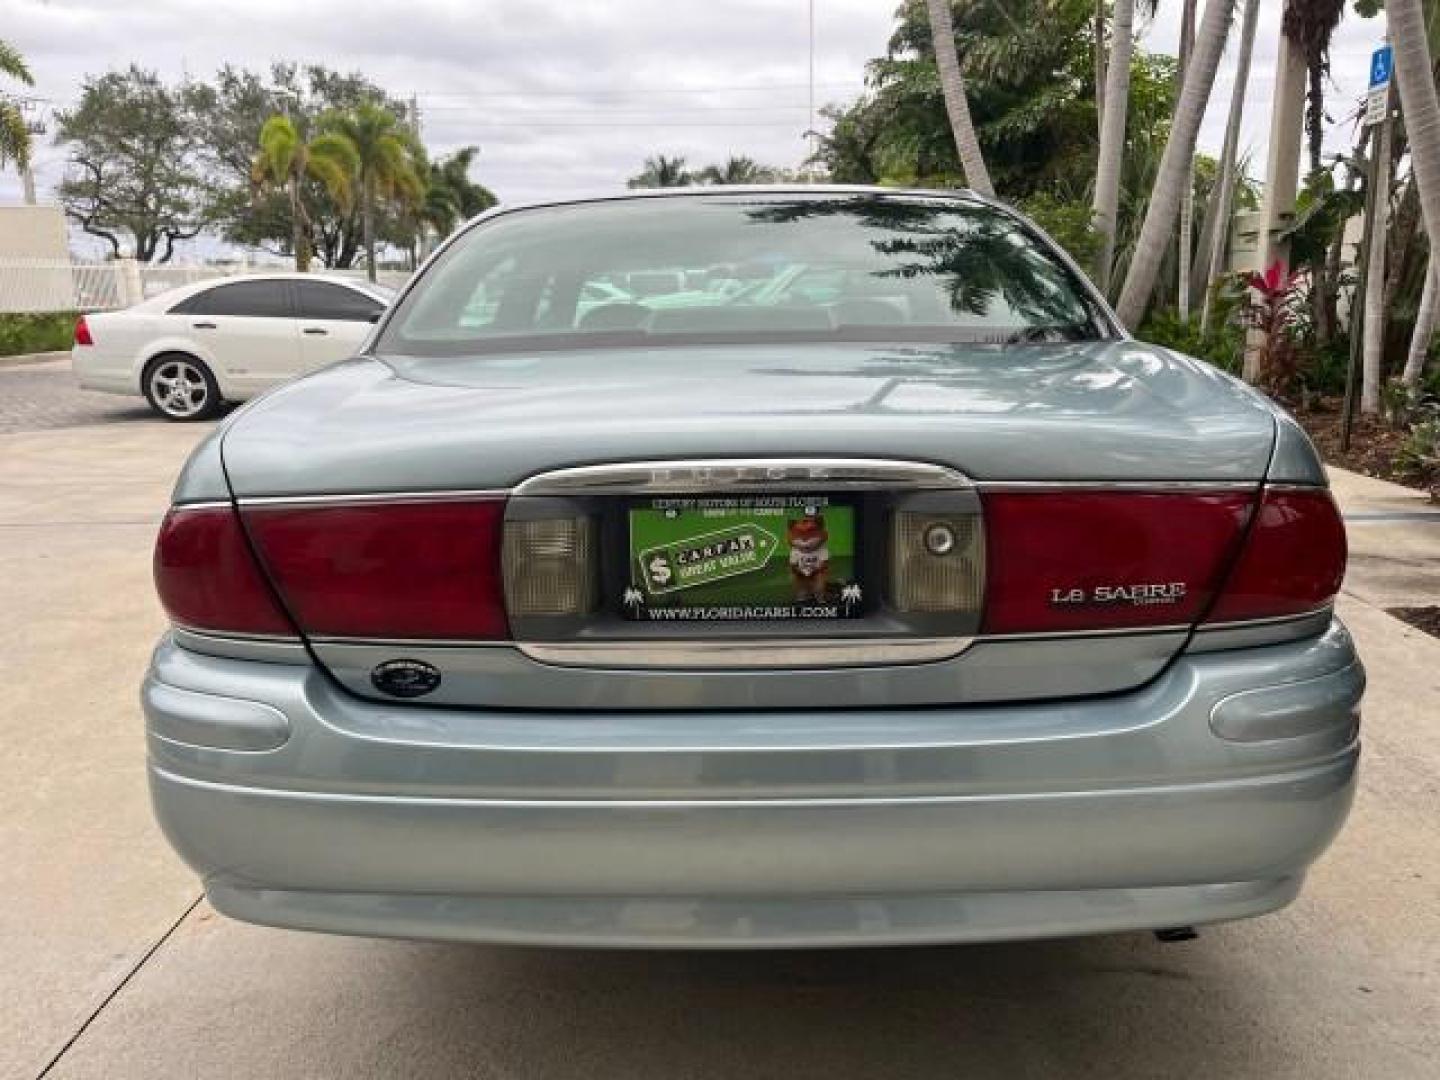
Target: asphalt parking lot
115, 967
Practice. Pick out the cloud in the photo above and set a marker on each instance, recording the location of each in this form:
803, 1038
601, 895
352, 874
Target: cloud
565, 97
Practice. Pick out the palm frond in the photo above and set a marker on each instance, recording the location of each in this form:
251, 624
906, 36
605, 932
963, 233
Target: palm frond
13, 64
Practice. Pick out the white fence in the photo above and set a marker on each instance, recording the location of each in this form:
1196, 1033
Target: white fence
44, 285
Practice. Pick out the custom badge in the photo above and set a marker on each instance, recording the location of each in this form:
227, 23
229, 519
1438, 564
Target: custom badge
1137, 594
405, 678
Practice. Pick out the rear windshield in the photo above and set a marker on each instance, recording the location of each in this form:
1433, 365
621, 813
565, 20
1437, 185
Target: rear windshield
726, 268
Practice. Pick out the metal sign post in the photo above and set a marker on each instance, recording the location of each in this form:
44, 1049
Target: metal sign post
1377, 112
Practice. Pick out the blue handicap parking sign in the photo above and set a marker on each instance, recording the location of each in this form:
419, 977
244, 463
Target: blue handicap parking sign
1380, 63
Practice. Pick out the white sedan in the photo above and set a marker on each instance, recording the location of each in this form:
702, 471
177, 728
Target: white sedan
190, 350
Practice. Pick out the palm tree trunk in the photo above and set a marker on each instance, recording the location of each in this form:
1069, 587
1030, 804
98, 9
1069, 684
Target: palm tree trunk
1374, 329
1415, 76
1155, 233
942, 33
300, 241
1187, 195
1225, 196
1098, 27
1112, 138
367, 226
1424, 328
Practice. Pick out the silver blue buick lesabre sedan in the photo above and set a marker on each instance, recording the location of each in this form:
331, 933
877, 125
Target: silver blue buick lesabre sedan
752, 567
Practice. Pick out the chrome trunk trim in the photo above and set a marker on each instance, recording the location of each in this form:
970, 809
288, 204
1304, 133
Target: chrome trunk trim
689, 476
752, 654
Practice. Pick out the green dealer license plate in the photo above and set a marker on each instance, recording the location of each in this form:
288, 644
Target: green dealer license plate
743, 558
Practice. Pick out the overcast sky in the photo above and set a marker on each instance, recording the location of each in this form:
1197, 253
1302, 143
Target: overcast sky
570, 97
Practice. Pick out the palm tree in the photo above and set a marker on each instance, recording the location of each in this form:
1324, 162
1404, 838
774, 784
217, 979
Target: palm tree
1187, 191
14, 134
386, 151
942, 37
661, 172
452, 174
1106, 203
1175, 165
1310, 24
1098, 30
1225, 197
287, 161
1413, 74
738, 170
440, 209
1424, 328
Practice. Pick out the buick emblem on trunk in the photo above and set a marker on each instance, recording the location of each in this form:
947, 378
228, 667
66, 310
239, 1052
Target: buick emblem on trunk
729, 475
405, 678
1138, 594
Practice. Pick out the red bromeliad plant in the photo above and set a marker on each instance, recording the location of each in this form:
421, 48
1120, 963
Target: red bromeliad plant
1270, 309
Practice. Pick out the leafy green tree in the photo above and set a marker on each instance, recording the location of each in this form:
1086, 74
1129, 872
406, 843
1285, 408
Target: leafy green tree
387, 151
14, 134
238, 102
287, 161
662, 172
1030, 95
134, 163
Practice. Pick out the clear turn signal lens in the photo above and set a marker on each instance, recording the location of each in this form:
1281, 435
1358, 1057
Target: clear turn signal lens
549, 566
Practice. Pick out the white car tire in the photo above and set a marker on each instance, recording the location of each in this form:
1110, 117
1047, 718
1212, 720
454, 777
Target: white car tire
181, 388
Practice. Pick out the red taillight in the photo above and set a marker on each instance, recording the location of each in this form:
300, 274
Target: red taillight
387, 570
1098, 560
207, 578
1293, 561
82, 332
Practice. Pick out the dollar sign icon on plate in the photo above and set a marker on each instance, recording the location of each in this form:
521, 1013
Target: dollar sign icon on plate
660, 572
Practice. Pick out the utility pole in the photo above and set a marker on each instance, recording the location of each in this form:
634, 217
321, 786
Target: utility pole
812, 132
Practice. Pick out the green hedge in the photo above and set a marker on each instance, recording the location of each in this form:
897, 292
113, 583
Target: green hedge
50, 331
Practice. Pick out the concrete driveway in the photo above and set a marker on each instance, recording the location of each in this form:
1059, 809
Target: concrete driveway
114, 966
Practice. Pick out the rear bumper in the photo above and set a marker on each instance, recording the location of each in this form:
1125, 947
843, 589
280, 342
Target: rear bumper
713, 829
94, 371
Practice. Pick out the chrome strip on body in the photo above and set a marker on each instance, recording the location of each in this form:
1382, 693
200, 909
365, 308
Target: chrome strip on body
264, 648
387, 498
1040, 486
691, 476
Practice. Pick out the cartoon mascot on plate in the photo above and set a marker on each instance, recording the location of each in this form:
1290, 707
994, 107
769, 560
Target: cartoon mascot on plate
809, 557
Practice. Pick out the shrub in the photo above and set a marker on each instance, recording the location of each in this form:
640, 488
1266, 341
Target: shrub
1419, 454
33, 332
1223, 346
